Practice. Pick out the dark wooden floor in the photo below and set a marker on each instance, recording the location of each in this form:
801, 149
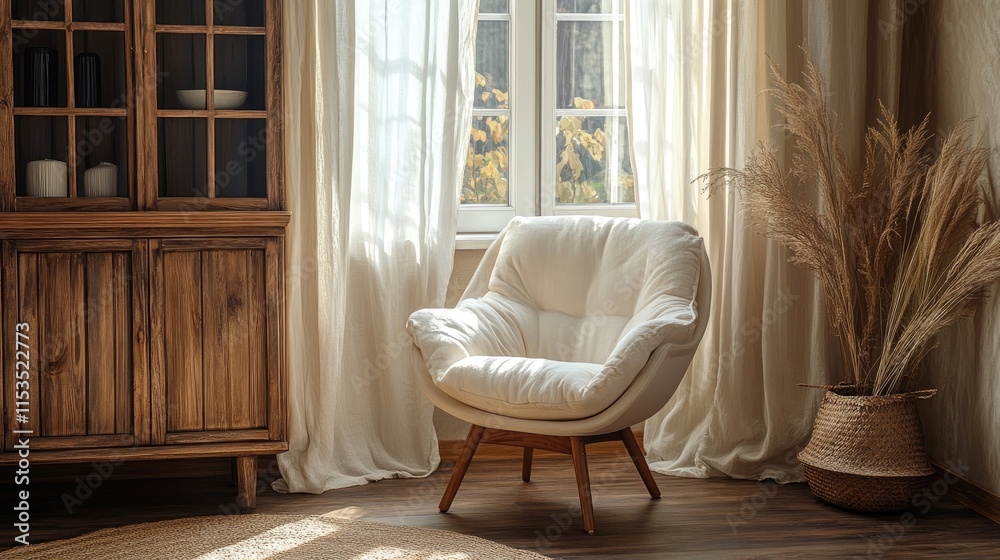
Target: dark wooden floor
714, 518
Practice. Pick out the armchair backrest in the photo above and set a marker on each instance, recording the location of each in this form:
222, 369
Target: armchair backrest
590, 266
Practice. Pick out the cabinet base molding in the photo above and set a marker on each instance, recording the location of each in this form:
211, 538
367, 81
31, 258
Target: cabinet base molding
151, 452
245, 455
135, 225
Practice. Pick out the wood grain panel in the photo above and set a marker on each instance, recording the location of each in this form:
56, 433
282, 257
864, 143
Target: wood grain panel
33, 204
277, 382
220, 336
182, 282
275, 108
157, 351
122, 302
214, 360
8, 318
67, 112
131, 124
217, 436
257, 339
164, 452
146, 137
209, 244
7, 171
100, 337
72, 246
28, 312
78, 299
82, 442
141, 389
39, 24
103, 225
71, 141
219, 114
180, 204
236, 339
62, 388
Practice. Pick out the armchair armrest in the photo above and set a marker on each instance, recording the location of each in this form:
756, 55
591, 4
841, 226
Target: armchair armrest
486, 326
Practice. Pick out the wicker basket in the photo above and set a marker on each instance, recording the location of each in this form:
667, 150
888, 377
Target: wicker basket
867, 453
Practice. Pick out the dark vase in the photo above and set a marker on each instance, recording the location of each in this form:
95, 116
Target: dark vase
88, 80
41, 77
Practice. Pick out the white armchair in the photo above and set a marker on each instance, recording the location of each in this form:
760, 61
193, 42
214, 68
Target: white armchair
572, 330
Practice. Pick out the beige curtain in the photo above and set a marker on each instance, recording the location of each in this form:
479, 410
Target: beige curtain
378, 105
698, 72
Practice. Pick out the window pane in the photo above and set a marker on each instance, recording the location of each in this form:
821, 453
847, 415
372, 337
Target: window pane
486, 176
590, 6
492, 64
590, 65
493, 6
485, 179
592, 161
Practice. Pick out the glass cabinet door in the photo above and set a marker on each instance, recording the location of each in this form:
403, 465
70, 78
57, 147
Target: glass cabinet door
215, 104
73, 111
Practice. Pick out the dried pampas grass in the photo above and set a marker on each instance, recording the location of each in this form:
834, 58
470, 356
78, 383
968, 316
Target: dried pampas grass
899, 248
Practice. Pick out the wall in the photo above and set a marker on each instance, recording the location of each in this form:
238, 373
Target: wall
963, 422
448, 427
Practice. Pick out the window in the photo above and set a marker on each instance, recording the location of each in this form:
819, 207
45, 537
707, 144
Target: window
549, 129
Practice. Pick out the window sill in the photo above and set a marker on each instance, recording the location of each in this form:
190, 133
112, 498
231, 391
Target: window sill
474, 241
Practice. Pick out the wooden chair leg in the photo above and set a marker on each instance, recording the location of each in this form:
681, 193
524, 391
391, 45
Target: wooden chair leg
526, 464
583, 482
634, 451
461, 466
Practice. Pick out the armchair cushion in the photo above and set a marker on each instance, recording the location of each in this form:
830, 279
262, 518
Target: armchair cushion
573, 311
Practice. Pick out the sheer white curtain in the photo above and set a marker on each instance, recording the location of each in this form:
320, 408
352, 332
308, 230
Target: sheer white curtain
378, 106
697, 73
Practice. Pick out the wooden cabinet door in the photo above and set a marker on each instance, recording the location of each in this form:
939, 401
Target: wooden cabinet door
82, 305
216, 352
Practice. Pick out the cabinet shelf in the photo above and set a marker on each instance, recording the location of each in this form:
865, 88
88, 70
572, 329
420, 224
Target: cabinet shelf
41, 24
104, 225
70, 204
70, 26
69, 112
203, 113
204, 29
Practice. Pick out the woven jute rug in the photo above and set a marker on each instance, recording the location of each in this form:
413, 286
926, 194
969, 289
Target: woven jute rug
256, 537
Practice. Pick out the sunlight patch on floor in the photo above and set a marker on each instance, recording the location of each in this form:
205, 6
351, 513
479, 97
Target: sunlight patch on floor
352, 512
392, 553
277, 540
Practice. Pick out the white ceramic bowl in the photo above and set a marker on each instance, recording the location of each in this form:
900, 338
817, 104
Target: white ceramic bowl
47, 178
101, 180
225, 99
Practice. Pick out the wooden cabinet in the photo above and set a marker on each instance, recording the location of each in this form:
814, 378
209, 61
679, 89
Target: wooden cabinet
83, 305
142, 229
217, 349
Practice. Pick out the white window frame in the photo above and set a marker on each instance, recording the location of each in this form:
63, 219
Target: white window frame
522, 158
533, 113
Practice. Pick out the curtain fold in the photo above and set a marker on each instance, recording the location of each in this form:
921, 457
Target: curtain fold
378, 106
698, 70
